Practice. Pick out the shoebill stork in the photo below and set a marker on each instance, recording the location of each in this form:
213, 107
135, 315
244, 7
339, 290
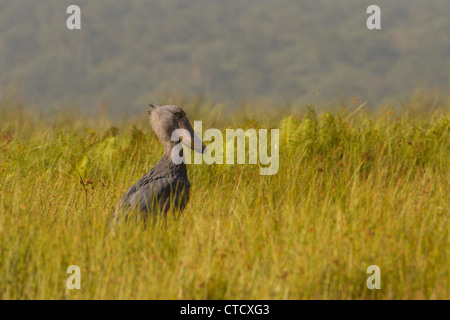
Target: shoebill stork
166, 186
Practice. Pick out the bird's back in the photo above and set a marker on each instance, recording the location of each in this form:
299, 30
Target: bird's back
164, 187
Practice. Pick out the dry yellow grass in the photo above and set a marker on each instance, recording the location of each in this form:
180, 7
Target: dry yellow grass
352, 191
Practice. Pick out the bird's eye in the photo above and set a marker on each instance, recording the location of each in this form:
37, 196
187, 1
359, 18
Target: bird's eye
178, 115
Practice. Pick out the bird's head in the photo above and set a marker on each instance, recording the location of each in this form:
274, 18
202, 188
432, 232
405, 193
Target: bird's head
171, 125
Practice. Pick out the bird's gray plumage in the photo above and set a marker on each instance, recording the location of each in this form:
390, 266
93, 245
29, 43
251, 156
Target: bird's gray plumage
166, 186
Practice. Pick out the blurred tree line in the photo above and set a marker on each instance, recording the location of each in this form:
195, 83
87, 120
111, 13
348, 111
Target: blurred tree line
131, 52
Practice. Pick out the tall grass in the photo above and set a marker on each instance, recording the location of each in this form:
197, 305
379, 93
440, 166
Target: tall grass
354, 189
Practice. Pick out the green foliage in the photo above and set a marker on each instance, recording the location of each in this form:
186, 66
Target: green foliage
288, 131
130, 53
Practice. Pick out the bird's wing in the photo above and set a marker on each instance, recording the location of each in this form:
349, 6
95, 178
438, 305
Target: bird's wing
149, 192
145, 192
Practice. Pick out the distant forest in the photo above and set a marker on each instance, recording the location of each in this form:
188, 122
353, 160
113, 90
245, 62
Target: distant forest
131, 52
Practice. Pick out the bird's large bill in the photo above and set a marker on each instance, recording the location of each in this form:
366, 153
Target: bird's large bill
190, 139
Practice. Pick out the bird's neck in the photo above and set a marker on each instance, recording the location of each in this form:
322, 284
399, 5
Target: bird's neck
179, 169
